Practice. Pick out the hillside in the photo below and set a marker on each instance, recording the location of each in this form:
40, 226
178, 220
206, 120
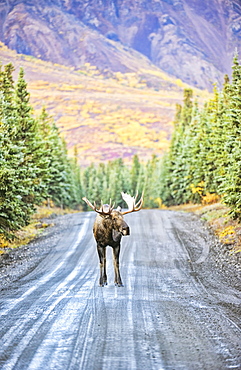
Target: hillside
191, 40
105, 117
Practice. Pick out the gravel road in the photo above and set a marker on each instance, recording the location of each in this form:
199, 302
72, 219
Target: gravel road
179, 307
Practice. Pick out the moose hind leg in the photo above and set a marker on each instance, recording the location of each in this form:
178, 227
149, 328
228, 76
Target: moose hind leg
116, 253
102, 258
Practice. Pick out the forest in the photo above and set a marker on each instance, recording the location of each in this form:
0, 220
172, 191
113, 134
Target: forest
34, 165
204, 159
201, 165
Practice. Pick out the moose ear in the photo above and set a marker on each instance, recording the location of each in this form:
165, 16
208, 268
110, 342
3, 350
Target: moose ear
118, 209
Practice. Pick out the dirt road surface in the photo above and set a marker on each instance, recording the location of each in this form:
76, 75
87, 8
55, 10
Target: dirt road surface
179, 308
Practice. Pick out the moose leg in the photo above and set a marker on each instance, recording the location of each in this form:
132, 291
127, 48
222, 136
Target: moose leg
102, 258
116, 253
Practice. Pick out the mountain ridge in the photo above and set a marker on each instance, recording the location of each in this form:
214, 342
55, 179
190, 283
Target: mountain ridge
191, 40
104, 117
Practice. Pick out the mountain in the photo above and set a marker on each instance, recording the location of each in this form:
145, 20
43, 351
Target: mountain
104, 117
193, 40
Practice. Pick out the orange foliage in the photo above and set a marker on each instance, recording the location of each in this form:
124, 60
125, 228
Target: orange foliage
210, 198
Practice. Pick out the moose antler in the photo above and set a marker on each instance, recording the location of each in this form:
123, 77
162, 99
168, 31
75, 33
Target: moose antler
131, 202
105, 209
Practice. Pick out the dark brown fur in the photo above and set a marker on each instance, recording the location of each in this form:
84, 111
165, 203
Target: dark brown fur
108, 231
109, 227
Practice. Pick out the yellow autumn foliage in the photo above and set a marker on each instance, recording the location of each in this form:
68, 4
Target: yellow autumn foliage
199, 188
121, 113
210, 198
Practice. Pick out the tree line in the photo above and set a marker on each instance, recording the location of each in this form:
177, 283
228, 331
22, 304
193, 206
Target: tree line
203, 163
34, 165
107, 180
204, 159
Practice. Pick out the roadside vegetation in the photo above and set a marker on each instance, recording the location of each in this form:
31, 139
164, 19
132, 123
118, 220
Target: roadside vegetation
217, 217
34, 165
128, 113
204, 160
201, 169
202, 166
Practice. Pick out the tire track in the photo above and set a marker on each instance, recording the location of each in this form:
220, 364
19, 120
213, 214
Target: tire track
164, 317
39, 303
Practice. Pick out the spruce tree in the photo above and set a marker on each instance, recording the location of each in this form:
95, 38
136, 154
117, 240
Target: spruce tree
13, 213
134, 173
169, 161
231, 185
152, 183
34, 164
179, 151
29, 135
60, 175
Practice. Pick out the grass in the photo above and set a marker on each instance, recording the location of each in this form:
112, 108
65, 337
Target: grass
215, 215
219, 220
37, 225
104, 114
224, 226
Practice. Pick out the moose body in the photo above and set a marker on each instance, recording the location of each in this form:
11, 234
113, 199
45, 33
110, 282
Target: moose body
108, 229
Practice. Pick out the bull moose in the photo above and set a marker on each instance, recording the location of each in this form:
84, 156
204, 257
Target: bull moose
108, 229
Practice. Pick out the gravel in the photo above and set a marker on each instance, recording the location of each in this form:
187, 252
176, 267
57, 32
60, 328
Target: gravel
16, 263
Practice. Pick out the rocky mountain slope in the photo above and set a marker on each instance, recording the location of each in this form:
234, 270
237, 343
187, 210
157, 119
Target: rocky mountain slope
193, 40
104, 117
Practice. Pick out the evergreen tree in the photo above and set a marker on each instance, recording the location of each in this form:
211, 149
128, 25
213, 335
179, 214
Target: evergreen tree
231, 185
205, 150
186, 112
178, 156
34, 164
77, 189
33, 158
152, 183
169, 161
134, 173
13, 212
56, 181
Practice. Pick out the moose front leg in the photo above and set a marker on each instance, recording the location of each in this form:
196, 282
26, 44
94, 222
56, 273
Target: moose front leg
102, 258
116, 253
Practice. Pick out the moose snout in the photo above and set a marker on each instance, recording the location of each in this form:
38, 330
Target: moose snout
125, 230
